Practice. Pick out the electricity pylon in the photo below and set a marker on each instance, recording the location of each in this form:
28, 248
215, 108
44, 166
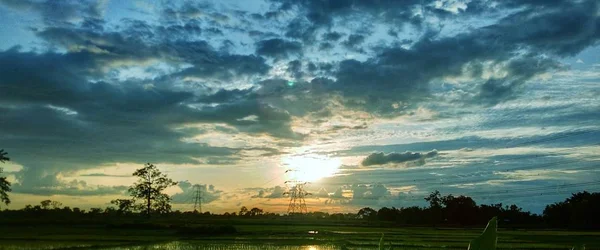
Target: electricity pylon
297, 194
198, 199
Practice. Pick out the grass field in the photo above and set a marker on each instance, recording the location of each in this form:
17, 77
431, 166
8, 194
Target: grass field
281, 237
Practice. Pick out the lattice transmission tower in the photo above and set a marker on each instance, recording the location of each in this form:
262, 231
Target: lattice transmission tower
198, 199
297, 194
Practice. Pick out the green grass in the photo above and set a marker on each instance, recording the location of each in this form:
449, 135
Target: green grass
287, 235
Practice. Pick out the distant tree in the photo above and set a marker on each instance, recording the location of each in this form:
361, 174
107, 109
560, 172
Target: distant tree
56, 204
387, 214
256, 211
578, 211
123, 205
243, 211
95, 211
45, 204
4, 183
460, 209
367, 213
434, 199
149, 188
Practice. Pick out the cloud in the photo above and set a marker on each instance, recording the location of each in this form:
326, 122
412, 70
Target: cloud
51, 185
381, 158
354, 41
327, 75
332, 36
69, 11
270, 193
103, 175
278, 48
208, 193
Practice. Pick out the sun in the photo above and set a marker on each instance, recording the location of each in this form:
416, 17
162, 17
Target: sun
310, 168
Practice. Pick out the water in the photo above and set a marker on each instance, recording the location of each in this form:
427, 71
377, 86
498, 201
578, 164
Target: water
176, 245
183, 245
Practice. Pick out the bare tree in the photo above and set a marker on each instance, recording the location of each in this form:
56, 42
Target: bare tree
149, 188
4, 183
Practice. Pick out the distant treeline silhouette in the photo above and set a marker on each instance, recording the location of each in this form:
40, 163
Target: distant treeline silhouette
580, 211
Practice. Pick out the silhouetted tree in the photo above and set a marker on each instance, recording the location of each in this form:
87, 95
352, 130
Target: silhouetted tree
243, 211
387, 214
123, 205
256, 211
435, 214
4, 183
434, 199
578, 211
461, 209
56, 204
45, 204
162, 205
367, 213
149, 188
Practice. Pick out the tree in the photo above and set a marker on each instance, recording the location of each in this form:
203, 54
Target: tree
45, 204
149, 188
4, 183
243, 211
3, 157
56, 204
256, 211
460, 209
434, 199
578, 211
367, 213
123, 205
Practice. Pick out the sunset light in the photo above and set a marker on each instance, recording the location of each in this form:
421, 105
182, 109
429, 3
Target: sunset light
299, 124
310, 168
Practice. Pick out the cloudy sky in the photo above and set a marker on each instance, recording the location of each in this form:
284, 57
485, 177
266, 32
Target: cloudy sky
373, 103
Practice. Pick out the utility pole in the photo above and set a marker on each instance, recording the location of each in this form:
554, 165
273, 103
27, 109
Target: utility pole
198, 199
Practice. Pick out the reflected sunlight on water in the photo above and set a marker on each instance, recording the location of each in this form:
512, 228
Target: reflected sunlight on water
183, 245
222, 246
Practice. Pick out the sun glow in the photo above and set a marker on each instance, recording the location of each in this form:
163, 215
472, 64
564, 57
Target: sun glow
309, 168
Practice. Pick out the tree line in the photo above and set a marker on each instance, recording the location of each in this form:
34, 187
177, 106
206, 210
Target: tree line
148, 198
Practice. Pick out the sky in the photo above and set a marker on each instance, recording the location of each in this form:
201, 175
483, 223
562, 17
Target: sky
370, 103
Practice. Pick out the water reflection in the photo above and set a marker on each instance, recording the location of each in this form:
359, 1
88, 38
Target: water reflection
183, 245
222, 246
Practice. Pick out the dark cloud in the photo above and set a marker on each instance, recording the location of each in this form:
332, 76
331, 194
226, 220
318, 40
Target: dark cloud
332, 36
314, 14
61, 12
354, 41
278, 48
93, 121
404, 74
295, 68
71, 93
381, 158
